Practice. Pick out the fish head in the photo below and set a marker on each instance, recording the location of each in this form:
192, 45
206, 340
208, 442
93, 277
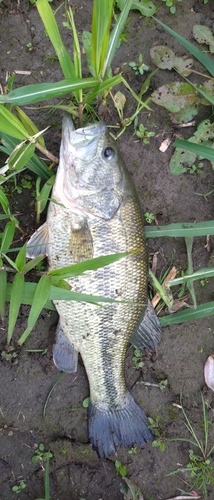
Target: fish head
90, 175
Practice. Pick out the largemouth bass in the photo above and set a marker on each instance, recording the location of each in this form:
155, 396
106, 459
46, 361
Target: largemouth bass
96, 212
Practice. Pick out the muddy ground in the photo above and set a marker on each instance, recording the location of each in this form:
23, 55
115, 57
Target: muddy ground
25, 381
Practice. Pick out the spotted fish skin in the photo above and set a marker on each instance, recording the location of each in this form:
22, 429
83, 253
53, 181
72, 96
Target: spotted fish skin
96, 212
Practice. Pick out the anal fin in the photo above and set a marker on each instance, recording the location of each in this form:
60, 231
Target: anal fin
148, 333
64, 355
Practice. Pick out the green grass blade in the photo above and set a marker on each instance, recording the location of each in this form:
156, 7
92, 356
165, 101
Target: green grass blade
76, 50
21, 258
35, 164
42, 197
182, 229
102, 87
42, 91
197, 53
51, 27
198, 149
4, 202
32, 263
7, 236
15, 302
10, 125
101, 22
39, 300
202, 273
115, 34
87, 265
3, 288
29, 125
20, 156
163, 292
28, 295
62, 294
50, 392
190, 284
202, 311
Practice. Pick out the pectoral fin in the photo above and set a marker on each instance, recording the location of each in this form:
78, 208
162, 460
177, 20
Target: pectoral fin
148, 333
64, 355
38, 243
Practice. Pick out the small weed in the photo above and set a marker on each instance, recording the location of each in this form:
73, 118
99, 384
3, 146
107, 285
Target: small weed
171, 4
29, 46
120, 468
133, 450
203, 282
200, 466
9, 354
41, 455
139, 67
19, 487
143, 133
156, 426
137, 358
196, 169
149, 217
86, 402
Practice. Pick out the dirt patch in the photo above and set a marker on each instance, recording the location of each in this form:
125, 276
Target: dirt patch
76, 472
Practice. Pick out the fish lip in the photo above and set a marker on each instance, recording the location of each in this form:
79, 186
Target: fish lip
82, 142
92, 130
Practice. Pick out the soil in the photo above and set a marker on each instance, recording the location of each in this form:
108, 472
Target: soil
75, 471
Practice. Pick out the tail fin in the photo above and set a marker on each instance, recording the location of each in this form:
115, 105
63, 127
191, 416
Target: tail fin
110, 428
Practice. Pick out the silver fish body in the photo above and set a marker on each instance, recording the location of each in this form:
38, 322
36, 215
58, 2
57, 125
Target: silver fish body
96, 212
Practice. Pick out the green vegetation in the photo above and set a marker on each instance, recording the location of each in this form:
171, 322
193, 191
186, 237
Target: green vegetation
19, 487
157, 426
200, 467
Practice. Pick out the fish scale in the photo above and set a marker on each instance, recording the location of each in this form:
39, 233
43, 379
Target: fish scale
96, 212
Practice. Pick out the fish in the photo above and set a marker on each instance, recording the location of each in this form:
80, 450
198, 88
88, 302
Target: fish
95, 211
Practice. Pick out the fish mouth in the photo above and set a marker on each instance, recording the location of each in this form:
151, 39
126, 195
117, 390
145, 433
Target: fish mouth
82, 142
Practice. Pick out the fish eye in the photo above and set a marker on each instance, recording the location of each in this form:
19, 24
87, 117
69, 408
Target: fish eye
109, 153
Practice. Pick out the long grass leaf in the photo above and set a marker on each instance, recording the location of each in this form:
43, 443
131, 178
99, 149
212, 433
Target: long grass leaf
102, 87
4, 202
28, 295
197, 53
101, 22
41, 91
51, 27
165, 293
87, 265
190, 284
182, 229
15, 302
20, 156
51, 390
29, 125
40, 298
202, 273
32, 263
198, 149
10, 125
206, 309
35, 164
21, 258
7, 236
115, 34
3, 288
